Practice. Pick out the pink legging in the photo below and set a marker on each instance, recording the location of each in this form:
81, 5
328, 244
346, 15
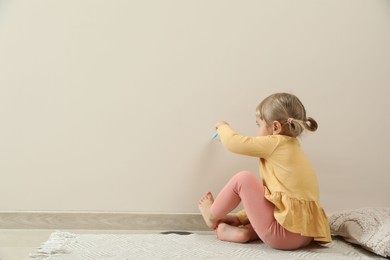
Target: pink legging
245, 187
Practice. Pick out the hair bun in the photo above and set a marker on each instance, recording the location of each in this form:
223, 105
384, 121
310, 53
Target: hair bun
311, 124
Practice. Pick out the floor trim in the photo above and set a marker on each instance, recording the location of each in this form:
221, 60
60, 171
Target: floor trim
101, 221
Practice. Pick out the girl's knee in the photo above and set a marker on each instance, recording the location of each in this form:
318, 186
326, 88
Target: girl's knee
245, 177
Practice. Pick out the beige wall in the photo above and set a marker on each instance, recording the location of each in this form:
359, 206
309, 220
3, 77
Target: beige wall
110, 105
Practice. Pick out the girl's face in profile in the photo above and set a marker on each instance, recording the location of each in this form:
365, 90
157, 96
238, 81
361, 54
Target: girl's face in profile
263, 129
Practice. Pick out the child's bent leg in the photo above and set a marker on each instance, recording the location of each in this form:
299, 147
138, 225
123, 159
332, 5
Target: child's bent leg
246, 188
235, 234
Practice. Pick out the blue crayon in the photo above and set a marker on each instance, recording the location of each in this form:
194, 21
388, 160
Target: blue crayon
215, 135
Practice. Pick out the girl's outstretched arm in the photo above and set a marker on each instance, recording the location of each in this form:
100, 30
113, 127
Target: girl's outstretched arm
259, 146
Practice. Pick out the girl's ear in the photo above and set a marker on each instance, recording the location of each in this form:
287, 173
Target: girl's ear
276, 127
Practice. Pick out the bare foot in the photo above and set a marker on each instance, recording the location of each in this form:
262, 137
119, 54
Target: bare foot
204, 206
240, 234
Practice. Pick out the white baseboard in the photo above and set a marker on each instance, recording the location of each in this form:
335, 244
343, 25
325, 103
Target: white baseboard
101, 221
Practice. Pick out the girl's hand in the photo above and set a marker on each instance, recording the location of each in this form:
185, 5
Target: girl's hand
220, 123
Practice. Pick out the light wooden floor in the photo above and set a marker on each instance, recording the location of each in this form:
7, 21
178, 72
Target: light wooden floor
17, 244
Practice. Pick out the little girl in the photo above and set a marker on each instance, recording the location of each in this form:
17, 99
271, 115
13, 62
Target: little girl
284, 210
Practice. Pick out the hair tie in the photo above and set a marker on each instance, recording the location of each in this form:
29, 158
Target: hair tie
290, 120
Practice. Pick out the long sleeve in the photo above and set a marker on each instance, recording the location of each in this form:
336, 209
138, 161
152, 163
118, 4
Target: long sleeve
259, 146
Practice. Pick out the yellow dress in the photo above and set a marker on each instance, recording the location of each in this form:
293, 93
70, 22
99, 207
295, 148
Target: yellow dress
289, 181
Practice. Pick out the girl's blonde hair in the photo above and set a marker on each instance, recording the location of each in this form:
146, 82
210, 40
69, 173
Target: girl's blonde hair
289, 111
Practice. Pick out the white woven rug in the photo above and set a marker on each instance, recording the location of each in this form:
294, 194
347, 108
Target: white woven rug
68, 246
